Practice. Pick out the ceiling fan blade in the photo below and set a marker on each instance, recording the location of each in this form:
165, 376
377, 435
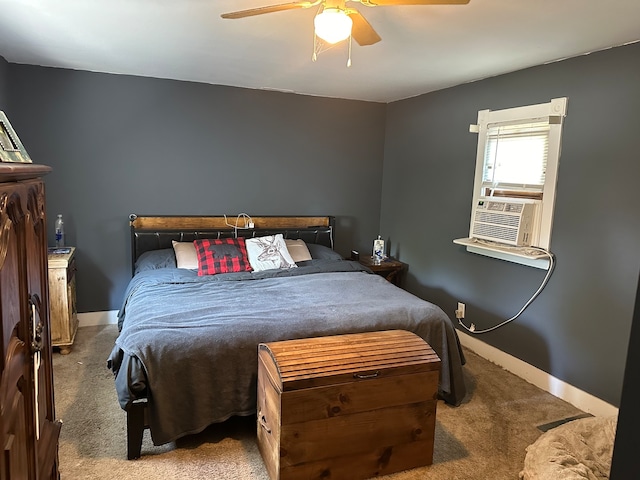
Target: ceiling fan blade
269, 9
373, 3
362, 32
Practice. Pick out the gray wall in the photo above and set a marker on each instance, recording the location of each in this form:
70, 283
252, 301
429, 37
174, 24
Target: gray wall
4, 66
578, 329
121, 145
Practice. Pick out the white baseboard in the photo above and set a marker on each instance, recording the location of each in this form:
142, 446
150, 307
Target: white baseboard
576, 397
90, 319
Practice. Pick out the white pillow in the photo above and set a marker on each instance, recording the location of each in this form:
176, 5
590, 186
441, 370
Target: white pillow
186, 256
298, 250
266, 253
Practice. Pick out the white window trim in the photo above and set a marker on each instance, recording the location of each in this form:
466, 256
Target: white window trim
555, 111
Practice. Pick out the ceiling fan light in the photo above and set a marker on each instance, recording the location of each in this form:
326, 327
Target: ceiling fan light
333, 25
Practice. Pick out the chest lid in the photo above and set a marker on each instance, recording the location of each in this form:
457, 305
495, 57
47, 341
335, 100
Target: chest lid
319, 361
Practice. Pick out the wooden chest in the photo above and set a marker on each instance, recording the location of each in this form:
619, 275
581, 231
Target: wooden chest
346, 406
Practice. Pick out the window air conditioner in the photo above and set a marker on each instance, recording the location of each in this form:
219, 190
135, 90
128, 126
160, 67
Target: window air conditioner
512, 221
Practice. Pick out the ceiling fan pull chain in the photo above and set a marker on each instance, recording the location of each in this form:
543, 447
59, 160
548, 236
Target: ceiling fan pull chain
314, 57
349, 59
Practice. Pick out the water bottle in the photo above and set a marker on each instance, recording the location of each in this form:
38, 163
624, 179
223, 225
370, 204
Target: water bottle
59, 231
378, 250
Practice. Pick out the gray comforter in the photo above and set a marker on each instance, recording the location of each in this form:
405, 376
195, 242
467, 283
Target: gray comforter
189, 344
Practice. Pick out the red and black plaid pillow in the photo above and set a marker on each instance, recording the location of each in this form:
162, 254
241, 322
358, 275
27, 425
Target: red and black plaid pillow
221, 256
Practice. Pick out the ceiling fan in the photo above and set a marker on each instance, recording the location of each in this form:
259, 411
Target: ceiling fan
335, 22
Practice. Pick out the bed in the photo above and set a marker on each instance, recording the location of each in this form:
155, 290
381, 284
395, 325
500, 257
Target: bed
186, 354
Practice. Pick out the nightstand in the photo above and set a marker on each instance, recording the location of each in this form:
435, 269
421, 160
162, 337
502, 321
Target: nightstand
62, 297
391, 269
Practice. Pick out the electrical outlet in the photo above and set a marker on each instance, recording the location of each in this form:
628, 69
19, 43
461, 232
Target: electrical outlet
460, 311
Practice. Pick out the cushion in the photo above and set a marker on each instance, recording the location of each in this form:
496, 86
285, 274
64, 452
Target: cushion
324, 253
222, 255
579, 449
155, 259
269, 252
298, 250
186, 256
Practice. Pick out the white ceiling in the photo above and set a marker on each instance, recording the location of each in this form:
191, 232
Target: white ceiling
423, 48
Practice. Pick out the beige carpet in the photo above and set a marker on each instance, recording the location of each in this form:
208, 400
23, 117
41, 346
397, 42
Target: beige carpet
484, 438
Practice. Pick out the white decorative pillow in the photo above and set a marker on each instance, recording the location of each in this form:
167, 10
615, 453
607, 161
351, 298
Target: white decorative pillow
266, 253
298, 250
186, 256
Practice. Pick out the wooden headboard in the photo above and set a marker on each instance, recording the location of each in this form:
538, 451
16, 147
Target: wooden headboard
157, 232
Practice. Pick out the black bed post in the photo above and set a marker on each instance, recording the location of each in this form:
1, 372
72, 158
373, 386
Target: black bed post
132, 217
135, 428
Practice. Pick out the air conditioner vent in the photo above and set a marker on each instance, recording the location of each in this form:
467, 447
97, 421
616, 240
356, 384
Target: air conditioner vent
494, 232
509, 221
497, 218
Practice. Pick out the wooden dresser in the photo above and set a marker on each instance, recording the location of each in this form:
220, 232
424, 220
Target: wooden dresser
62, 297
28, 429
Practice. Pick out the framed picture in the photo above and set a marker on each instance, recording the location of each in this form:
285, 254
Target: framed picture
11, 148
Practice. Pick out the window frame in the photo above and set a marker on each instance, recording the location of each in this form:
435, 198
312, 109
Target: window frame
555, 111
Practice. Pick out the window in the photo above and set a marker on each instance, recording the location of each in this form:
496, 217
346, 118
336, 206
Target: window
515, 160
517, 165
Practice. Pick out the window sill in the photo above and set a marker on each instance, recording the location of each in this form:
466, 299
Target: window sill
521, 255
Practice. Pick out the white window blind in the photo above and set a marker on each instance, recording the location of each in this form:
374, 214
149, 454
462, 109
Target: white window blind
515, 156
